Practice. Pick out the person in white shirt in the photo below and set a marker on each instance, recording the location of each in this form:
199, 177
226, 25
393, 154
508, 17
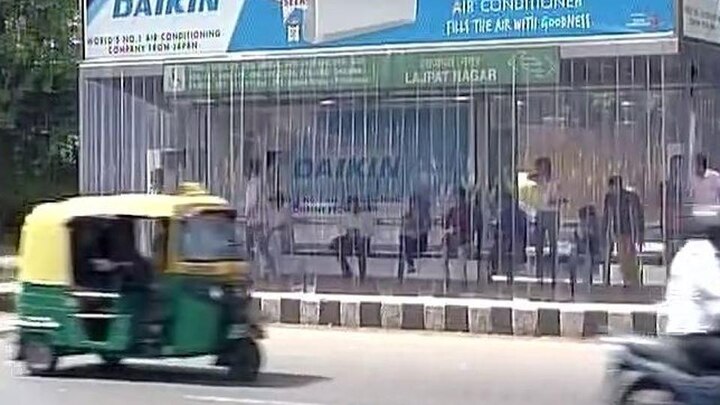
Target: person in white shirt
692, 302
705, 183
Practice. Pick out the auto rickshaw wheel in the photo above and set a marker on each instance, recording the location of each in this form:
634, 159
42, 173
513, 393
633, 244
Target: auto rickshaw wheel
245, 361
40, 358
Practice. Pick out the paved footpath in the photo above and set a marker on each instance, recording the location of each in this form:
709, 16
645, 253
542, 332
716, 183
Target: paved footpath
333, 367
433, 269
429, 269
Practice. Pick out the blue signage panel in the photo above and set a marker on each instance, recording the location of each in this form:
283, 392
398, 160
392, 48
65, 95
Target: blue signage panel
157, 28
268, 24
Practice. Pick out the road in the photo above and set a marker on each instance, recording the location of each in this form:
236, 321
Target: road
334, 367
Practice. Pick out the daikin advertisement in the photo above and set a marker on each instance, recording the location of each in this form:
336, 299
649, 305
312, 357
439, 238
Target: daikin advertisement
387, 161
162, 28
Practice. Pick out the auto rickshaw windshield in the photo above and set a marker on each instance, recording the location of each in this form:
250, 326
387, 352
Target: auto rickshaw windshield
209, 237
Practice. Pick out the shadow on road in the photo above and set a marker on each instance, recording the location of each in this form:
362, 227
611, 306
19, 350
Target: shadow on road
204, 376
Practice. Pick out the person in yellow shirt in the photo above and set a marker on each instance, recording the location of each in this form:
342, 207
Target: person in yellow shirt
545, 198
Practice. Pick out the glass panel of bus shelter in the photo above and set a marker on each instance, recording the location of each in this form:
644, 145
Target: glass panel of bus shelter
601, 121
703, 68
599, 125
668, 120
96, 173
317, 147
701, 102
121, 116
507, 236
503, 135
377, 146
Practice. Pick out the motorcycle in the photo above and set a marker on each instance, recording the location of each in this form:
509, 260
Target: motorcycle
645, 371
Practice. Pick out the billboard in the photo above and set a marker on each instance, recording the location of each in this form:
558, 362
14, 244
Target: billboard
701, 20
162, 28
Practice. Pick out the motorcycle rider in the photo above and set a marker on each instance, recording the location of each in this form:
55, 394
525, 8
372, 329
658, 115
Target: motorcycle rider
692, 300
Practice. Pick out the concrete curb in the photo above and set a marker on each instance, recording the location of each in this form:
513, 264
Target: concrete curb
476, 316
7, 302
6, 331
8, 267
513, 318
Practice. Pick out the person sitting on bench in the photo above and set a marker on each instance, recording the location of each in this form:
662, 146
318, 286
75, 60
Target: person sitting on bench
356, 230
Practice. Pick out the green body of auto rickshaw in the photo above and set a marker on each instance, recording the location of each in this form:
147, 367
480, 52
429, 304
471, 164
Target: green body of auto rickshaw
136, 276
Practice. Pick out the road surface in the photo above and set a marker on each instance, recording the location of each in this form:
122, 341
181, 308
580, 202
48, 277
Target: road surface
335, 367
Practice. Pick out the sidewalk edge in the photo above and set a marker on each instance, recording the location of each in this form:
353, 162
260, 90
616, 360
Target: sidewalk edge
476, 316
515, 317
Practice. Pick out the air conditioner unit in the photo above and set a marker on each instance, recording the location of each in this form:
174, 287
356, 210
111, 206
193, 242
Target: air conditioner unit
332, 20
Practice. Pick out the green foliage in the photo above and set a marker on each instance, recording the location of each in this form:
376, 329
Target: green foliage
38, 101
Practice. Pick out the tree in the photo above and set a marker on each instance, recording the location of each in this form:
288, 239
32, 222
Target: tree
38, 102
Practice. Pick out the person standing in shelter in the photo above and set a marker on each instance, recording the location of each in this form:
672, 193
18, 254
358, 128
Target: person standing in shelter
458, 233
414, 234
705, 183
257, 213
510, 236
425, 220
547, 216
279, 223
478, 220
624, 224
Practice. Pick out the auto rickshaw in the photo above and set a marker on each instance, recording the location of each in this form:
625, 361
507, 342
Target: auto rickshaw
136, 276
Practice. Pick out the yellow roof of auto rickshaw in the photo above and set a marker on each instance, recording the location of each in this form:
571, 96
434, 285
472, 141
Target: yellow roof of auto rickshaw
44, 230
131, 205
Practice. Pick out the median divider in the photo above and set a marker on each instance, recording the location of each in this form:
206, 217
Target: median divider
8, 293
8, 265
8, 289
476, 316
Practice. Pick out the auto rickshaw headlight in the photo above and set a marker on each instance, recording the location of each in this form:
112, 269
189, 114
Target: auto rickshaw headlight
216, 293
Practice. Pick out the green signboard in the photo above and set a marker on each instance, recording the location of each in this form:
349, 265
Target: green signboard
310, 74
367, 72
469, 69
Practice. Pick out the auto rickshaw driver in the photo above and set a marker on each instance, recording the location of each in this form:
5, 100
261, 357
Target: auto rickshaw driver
94, 267
109, 259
